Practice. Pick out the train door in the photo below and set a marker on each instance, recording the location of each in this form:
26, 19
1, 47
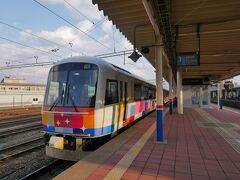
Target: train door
121, 109
125, 101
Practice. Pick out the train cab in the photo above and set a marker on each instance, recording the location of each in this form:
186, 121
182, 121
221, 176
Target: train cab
87, 98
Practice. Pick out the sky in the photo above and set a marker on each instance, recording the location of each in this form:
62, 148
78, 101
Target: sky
21, 46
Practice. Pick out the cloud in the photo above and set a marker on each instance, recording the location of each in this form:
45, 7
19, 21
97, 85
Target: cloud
15, 55
81, 43
62, 35
107, 27
84, 6
126, 44
25, 33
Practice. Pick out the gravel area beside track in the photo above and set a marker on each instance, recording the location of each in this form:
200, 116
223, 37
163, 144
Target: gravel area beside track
21, 166
11, 139
17, 138
19, 112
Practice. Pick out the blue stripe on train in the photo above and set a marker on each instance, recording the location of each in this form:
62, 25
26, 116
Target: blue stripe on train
92, 132
132, 110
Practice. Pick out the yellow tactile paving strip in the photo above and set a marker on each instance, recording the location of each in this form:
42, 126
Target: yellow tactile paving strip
83, 168
89, 164
120, 168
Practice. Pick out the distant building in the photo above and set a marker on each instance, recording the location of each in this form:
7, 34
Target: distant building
18, 92
8, 79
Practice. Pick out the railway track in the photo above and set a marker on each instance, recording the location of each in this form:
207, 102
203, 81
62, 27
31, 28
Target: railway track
19, 121
4, 132
50, 170
20, 148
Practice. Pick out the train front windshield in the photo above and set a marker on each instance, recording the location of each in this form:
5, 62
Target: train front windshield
72, 85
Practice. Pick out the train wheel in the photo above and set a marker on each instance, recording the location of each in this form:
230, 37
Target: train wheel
86, 144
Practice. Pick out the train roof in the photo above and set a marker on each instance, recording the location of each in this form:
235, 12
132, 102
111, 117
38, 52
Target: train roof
100, 62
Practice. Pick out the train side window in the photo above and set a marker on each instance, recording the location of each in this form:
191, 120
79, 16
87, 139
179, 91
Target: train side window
151, 93
137, 92
145, 92
111, 94
121, 90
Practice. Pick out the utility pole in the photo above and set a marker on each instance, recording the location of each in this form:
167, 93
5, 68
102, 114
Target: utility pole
36, 57
71, 45
113, 40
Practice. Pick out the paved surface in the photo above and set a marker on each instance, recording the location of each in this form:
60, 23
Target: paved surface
201, 144
234, 110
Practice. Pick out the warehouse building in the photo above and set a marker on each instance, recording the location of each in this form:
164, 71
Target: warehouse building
18, 92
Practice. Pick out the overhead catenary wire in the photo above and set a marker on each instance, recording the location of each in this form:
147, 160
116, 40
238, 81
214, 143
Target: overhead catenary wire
101, 56
106, 54
74, 8
92, 37
18, 60
72, 24
47, 63
114, 54
53, 62
120, 53
79, 12
65, 20
15, 42
39, 37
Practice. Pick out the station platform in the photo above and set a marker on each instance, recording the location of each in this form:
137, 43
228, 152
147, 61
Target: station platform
201, 144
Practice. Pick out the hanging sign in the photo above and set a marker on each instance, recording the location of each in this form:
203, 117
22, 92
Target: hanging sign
188, 59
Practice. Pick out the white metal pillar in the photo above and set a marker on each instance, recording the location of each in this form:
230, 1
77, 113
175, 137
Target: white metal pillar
179, 92
220, 105
159, 93
170, 92
200, 96
209, 95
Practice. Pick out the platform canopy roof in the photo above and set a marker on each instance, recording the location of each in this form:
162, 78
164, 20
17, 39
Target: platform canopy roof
211, 27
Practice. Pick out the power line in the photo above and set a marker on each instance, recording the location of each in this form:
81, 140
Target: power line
28, 65
93, 23
47, 52
69, 4
10, 60
113, 55
106, 54
96, 25
71, 24
18, 60
120, 53
93, 27
22, 30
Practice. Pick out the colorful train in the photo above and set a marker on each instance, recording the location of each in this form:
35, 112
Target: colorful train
88, 98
